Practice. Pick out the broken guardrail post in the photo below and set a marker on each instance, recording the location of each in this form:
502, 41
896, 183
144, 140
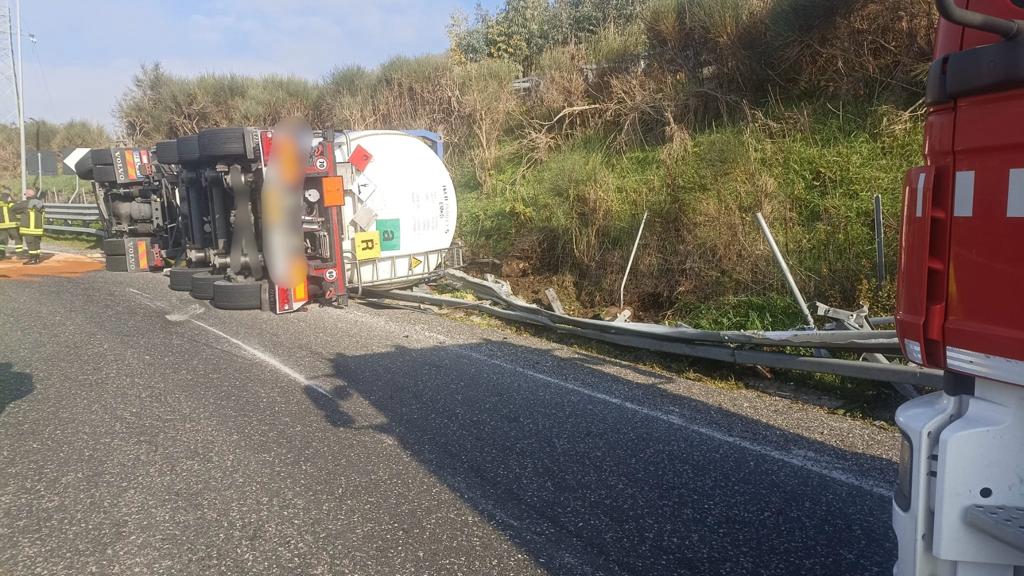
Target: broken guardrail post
785, 270
879, 242
629, 266
554, 300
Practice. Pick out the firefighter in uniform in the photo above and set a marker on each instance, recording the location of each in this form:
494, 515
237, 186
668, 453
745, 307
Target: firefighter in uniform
8, 226
30, 219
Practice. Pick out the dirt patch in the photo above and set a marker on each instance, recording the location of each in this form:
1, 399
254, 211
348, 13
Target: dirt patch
63, 265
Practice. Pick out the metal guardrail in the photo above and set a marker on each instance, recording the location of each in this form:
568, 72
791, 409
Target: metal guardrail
748, 348
70, 213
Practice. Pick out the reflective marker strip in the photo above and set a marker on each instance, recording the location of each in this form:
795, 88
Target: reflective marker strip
985, 365
920, 195
1015, 194
963, 194
913, 351
143, 255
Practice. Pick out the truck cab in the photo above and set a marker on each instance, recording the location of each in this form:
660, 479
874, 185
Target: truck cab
958, 506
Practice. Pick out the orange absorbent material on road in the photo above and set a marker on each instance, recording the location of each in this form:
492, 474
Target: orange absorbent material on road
52, 265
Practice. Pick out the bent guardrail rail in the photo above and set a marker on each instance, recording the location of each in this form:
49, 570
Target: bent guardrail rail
748, 348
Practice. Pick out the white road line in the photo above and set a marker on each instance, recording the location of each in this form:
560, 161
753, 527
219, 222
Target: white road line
259, 354
254, 352
146, 300
799, 461
805, 463
809, 464
266, 358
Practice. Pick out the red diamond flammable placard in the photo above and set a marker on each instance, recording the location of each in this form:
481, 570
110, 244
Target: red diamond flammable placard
360, 158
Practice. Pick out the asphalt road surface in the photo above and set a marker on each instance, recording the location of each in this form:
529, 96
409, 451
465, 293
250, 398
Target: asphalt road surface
142, 432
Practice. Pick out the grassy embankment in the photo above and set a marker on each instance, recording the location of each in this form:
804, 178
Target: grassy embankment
570, 221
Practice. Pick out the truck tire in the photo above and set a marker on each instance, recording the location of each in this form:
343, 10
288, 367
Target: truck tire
202, 285
104, 174
83, 168
237, 295
113, 246
117, 263
188, 150
181, 278
167, 152
222, 144
102, 157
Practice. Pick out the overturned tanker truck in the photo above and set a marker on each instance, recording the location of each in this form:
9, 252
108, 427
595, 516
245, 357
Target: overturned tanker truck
275, 219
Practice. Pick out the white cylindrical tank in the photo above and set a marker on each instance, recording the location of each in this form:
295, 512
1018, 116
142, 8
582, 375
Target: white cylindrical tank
399, 192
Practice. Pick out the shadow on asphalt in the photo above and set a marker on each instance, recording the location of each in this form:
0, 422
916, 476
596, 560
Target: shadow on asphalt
13, 385
585, 485
327, 401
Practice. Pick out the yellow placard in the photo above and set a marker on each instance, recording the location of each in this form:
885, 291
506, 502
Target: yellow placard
367, 245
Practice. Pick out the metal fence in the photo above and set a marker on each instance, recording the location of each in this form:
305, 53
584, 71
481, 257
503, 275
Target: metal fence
73, 218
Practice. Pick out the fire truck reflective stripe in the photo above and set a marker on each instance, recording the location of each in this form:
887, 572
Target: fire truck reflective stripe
913, 349
1015, 195
985, 365
963, 194
920, 195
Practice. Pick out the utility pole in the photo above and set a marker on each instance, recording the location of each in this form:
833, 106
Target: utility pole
19, 82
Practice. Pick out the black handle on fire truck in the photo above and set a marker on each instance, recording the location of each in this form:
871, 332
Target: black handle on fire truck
957, 15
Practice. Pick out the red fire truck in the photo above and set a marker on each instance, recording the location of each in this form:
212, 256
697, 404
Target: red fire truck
958, 507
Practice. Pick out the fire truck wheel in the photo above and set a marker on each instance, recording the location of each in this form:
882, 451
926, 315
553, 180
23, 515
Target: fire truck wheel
104, 174
237, 295
202, 285
83, 168
222, 143
167, 152
113, 247
117, 264
102, 157
181, 278
188, 150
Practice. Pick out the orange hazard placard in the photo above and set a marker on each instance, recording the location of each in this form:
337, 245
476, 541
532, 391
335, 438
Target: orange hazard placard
334, 191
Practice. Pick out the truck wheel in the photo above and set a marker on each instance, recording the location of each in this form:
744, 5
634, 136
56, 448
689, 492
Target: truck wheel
188, 150
202, 285
104, 174
102, 157
167, 152
83, 168
237, 295
181, 278
222, 144
113, 246
117, 263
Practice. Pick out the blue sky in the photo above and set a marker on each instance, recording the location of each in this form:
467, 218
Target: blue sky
88, 50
